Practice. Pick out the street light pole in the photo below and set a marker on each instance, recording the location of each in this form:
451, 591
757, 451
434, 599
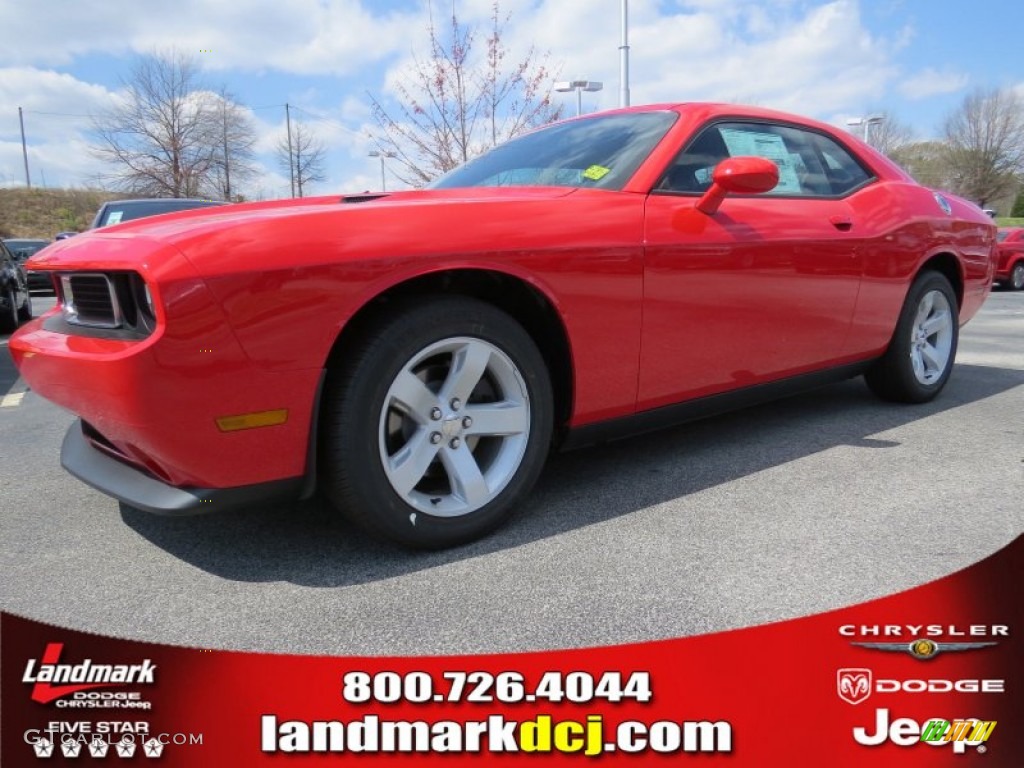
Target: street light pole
624, 57
867, 122
579, 86
382, 155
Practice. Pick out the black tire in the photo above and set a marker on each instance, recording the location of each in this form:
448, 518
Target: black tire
9, 315
25, 313
899, 376
367, 429
1016, 281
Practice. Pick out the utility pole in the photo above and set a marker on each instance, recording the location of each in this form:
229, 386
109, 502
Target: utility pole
291, 164
298, 162
624, 57
227, 162
24, 149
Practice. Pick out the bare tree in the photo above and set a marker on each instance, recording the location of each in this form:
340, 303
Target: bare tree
305, 156
985, 144
927, 162
234, 163
167, 136
459, 103
890, 133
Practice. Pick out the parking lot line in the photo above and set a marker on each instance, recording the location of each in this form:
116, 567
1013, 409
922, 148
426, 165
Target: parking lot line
14, 395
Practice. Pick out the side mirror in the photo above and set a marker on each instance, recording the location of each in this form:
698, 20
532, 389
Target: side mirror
738, 176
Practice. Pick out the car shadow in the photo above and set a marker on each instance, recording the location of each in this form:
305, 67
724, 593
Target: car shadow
309, 544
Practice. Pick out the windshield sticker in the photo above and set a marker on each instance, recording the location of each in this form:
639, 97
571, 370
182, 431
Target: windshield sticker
769, 146
115, 217
596, 172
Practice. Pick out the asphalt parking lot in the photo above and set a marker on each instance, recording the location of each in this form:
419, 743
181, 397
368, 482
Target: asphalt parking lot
796, 507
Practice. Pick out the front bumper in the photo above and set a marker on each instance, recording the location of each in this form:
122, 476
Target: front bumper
156, 402
142, 491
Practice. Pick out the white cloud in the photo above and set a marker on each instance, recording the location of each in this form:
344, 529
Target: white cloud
301, 36
930, 82
56, 108
788, 55
817, 58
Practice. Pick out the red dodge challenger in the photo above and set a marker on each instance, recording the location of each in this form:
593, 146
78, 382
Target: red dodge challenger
1010, 261
415, 355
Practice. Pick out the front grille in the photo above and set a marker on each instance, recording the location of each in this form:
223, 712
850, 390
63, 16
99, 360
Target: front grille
109, 305
91, 300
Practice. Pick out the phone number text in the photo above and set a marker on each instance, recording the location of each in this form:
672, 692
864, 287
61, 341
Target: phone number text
487, 687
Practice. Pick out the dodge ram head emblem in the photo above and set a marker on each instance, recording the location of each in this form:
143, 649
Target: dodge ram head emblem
853, 685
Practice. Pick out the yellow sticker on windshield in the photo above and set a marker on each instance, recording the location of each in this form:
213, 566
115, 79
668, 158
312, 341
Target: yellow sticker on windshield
596, 172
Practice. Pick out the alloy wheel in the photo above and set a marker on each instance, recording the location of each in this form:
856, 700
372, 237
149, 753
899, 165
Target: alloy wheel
931, 338
454, 426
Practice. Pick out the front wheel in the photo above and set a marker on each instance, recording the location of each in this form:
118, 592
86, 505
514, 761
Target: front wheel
9, 314
920, 357
437, 423
1016, 281
25, 313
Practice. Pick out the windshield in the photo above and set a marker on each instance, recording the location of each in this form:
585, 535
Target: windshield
1002, 235
597, 152
22, 249
127, 210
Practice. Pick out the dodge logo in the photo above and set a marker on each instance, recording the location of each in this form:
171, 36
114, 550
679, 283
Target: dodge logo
853, 685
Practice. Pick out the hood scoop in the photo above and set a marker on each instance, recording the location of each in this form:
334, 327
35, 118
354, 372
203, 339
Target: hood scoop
363, 198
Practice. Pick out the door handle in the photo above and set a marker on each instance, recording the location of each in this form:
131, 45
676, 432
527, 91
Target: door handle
842, 223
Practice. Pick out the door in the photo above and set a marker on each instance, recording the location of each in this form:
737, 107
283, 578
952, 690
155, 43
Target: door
764, 288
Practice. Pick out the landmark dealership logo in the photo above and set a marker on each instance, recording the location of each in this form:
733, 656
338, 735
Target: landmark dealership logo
52, 680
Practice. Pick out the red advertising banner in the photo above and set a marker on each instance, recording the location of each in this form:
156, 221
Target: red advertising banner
928, 677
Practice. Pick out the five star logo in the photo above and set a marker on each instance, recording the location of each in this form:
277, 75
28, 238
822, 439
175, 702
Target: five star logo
125, 748
98, 747
71, 748
43, 748
153, 748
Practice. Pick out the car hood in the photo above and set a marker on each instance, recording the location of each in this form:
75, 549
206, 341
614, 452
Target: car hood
296, 225
185, 225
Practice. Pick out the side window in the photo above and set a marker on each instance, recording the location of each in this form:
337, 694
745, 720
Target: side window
810, 164
844, 173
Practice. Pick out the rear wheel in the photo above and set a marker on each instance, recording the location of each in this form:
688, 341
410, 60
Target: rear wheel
920, 357
437, 423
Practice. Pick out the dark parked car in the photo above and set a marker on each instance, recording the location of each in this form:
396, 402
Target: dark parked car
116, 211
15, 301
22, 249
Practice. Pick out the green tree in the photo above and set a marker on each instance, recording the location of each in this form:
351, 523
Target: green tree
1018, 206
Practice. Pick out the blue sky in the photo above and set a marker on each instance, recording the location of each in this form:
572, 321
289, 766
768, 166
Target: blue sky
62, 60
